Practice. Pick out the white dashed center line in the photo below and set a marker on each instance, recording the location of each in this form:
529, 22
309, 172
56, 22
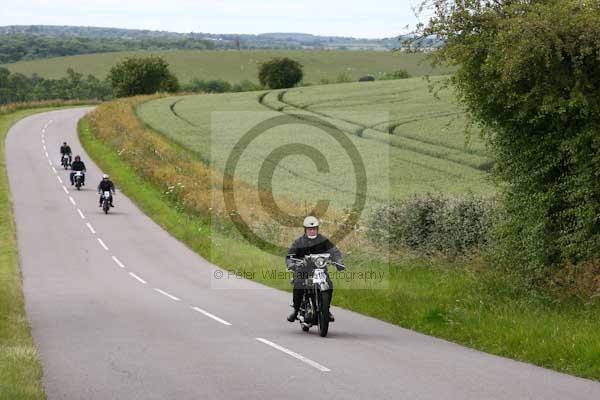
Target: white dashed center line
72, 201
90, 226
211, 316
300, 357
119, 263
102, 244
137, 277
167, 294
80, 214
65, 189
59, 179
54, 170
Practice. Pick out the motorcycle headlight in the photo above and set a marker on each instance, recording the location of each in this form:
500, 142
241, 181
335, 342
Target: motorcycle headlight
320, 262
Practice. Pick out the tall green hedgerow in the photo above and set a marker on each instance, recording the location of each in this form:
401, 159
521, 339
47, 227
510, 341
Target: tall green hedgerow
529, 73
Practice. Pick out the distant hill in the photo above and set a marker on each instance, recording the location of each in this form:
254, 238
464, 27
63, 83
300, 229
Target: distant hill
28, 42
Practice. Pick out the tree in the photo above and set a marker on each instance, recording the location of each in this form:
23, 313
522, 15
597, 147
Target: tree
528, 71
280, 72
142, 75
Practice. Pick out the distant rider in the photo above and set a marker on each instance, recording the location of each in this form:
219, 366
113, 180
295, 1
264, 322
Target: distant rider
106, 185
65, 149
310, 243
77, 165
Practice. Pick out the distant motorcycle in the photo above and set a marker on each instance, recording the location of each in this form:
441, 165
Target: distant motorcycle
78, 179
106, 201
314, 309
65, 161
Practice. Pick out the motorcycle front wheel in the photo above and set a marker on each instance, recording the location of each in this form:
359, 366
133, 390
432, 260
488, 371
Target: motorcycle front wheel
323, 313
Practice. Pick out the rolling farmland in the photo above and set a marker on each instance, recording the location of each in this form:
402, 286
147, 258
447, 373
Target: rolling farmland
235, 66
409, 142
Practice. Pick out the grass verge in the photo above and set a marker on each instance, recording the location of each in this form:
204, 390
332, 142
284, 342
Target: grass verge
20, 367
462, 303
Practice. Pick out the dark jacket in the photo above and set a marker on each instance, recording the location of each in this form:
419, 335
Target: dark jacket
304, 246
78, 166
106, 186
65, 150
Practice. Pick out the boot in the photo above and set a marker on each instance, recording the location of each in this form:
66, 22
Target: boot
293, 316
331, 319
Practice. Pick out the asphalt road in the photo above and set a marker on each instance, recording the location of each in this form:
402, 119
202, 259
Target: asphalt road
120, 310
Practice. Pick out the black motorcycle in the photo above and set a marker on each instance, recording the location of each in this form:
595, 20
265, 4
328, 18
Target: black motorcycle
65, 161
78, 179
106, 201
314, 309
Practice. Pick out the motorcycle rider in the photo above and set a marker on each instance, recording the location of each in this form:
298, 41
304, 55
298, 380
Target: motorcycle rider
106, 185
311, 242
77, 165
65, 149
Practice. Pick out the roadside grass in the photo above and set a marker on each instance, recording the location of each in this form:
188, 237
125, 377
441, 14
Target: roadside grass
20, 367
236, 66
466, 303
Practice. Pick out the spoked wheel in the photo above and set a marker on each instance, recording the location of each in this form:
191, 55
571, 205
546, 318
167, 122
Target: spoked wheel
323, 313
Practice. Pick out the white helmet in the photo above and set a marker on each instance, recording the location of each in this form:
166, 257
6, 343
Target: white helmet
311, 222
105, 176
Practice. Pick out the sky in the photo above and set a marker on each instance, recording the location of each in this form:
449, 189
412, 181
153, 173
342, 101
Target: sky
365, 19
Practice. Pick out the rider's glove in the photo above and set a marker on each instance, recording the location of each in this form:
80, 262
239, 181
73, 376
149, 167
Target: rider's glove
340, 267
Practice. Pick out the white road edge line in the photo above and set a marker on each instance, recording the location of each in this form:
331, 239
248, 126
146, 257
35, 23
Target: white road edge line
80, 214
65, 189
72, 201
167, 294
102, 244
201, 311
119, 263
90, 226
137, 278
300, 357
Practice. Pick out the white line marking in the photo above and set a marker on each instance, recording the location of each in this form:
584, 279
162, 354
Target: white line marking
90, 226
102, 244
50, 162
45, 148
295, 355
55, 171
44, 130
72, 201
167, 294
119, 263
211, 316
80, 214
137, 277
59, 179
65, 189
46, 153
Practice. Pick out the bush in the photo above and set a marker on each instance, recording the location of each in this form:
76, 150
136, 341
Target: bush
434, 224
142, 75
400, 74
280, 73
344, 77
246, 86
